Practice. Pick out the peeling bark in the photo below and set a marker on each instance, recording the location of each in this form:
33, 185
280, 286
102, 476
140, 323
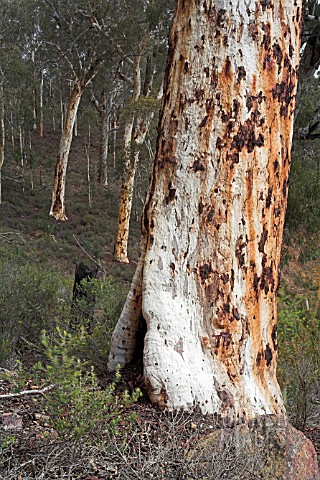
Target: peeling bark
208, 276
131, 158
58, 205
134, 134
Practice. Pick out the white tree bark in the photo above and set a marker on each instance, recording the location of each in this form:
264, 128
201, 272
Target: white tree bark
131, 158
134, 133
2, 136
41, 104
207, 280
58, 195
104, 107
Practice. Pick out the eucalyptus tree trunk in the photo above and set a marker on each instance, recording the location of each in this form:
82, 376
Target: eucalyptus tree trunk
2, 136
58, 204
134, 135
34, 93
207, 280
41, 104
135, 131
104, 141
131, 158
104, 107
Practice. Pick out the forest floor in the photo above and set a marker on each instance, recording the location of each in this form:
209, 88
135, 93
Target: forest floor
35, 449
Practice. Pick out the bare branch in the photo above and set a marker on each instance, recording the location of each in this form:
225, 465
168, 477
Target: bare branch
312, 17
124, 78
64, 55
28, 392
95, 102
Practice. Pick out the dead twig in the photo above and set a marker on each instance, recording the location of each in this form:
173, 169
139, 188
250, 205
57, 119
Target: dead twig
28, 392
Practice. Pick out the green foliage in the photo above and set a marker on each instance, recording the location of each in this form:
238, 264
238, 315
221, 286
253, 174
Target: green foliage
76, 405
92, 336
32, 298
304, 191
143, 107
35, 298
6, 441
299, 358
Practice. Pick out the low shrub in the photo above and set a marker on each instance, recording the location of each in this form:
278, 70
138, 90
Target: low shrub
299, 360
76, 405
304, 191
32, 298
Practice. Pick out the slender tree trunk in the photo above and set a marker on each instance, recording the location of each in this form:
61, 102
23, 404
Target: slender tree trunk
58, 206
114, 147
104, 138
87, 149
75, 126
21, 143
22, 153
62, 109
41, 105
12, 128
34, 93
2, 136
207, 279
126, 195
52, 105
131, 136
134, 135
103, 154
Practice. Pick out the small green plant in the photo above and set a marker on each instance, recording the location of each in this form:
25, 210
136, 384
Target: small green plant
77, 406
6, 441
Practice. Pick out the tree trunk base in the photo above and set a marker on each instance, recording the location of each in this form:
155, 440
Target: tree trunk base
59, 216
121, 258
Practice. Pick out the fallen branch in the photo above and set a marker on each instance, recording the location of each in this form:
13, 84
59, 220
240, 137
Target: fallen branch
28, 392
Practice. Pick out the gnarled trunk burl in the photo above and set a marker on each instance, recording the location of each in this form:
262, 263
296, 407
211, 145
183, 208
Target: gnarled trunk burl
207, 280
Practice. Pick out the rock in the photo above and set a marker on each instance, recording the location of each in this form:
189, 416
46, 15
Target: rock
267, 447
301, 457
11, 421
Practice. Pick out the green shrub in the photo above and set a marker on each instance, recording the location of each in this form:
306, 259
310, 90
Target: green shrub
35, 298
304, 192
94, 335
76, 405
299, 360
31, 298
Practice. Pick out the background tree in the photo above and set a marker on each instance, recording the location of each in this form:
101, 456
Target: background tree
138, 67
76, 37
207, 280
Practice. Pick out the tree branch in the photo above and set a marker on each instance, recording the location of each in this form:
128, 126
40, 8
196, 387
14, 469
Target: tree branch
28, 392
124, 78
312, 17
